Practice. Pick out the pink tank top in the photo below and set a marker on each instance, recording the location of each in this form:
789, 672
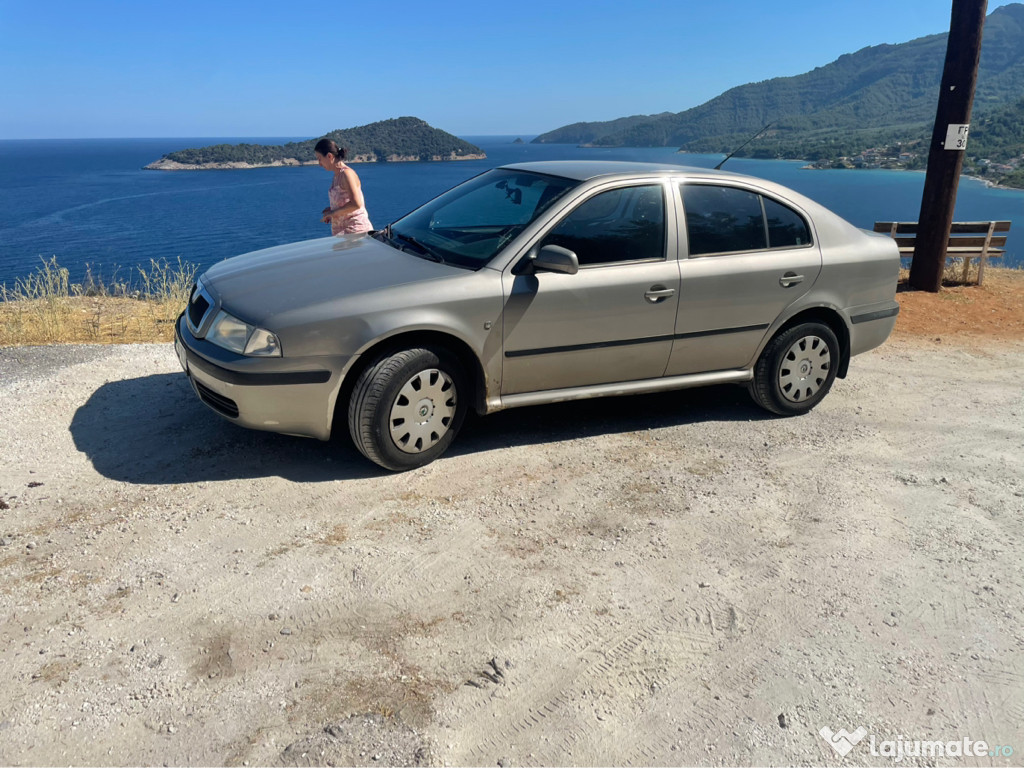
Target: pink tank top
358, 221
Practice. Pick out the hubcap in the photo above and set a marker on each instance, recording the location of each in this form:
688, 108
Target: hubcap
423, 411
804, 368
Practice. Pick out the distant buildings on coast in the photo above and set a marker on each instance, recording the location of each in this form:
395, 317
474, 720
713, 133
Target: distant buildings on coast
898, 158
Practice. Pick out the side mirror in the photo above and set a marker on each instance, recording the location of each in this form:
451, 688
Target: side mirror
555, 258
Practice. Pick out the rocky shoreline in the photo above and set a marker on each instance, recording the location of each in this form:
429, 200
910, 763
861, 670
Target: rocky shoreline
165, 164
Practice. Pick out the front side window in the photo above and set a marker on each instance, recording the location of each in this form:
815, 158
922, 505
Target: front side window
729, 220
723, 219
625, 224
469, 224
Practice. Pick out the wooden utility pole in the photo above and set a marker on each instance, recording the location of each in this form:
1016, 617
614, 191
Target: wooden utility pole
949, 141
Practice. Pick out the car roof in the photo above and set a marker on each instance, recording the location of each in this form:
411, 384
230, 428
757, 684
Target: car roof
584, 170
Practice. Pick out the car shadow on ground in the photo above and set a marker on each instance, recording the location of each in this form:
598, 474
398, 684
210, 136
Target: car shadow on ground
153, 430
604, 416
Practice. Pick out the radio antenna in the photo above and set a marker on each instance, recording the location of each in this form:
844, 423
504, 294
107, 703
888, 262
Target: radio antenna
741, 146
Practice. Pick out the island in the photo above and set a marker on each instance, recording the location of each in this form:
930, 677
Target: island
401, 139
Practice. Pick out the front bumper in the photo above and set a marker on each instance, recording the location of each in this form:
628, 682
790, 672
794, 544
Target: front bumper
293, 397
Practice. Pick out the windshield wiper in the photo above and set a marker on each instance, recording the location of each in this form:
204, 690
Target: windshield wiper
425, 250
384, 235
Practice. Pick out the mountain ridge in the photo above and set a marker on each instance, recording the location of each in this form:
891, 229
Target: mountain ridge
885, 92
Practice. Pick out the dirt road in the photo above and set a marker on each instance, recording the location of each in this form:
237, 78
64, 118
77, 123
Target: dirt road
664, 580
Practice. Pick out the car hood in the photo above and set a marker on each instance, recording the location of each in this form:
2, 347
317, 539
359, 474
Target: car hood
263, 284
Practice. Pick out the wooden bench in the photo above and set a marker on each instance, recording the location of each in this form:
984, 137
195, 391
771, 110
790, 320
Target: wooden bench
981, 240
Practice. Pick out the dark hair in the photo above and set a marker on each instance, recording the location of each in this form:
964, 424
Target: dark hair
328, 147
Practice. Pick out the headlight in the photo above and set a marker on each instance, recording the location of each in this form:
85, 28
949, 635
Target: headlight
231, 333
262, 344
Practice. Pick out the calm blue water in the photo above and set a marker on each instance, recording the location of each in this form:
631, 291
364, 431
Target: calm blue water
88, 202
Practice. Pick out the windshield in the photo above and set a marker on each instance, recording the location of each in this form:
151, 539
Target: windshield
468, 225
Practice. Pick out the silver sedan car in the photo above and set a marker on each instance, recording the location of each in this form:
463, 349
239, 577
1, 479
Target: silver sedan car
538, 283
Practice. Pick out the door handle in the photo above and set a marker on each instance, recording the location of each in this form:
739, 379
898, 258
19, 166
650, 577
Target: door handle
658, 293
790, 279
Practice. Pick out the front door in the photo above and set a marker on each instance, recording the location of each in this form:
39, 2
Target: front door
611, 321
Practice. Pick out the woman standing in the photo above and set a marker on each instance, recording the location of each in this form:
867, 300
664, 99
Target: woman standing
347, 211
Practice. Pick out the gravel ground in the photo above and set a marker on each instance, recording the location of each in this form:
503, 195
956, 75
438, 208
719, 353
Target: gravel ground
661, 580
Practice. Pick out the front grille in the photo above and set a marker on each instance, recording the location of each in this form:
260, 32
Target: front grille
219, 403
197, 309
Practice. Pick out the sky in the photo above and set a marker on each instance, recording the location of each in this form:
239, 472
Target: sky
149, 68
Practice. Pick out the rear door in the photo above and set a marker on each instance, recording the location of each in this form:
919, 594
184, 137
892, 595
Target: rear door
748, 256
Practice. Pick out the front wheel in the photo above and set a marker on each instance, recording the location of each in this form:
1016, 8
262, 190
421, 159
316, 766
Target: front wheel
407, 407
796, 369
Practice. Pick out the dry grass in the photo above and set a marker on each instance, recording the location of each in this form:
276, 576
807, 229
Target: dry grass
957, 271
45, 308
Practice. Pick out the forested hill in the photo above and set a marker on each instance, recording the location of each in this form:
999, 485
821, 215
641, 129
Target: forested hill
877, 94
399, 139
996, 145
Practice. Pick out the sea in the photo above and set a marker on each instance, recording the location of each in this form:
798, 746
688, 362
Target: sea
89, 204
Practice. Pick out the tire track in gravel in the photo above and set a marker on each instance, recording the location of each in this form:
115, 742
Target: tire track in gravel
690, 637
733, 689
589, 644
596, 660
990, 700
677, 685
697, 632
597, 751
728, 685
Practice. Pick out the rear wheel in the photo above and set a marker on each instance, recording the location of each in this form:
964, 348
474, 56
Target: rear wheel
796, 369
407, 407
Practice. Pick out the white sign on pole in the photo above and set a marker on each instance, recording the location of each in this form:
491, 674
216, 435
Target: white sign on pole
956, 137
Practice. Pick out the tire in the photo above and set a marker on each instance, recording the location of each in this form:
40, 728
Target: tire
796, 370
407, 407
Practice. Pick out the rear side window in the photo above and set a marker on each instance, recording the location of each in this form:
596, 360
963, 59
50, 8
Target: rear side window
786, 227
728, 219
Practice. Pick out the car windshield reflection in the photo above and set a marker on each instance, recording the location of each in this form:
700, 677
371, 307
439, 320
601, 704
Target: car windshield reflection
468, 225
